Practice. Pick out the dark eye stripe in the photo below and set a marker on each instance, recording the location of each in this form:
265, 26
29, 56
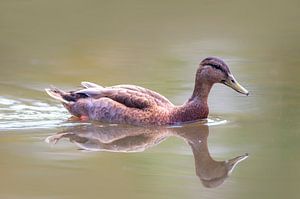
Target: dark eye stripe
218, 67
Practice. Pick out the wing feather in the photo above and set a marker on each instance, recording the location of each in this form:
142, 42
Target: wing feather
86, 84
126, 97
95, 89
129, 95
149, 92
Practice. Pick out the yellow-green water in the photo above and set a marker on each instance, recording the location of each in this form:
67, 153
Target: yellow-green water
158, 45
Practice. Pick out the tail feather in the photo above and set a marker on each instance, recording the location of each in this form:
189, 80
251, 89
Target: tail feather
86, 84
57, 94
65, 97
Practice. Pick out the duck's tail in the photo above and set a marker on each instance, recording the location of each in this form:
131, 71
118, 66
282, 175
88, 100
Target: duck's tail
58, 94
65, 97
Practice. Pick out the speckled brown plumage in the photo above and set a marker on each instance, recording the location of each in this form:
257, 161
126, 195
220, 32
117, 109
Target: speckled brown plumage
135, 105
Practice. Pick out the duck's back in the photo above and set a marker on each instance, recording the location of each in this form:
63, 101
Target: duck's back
117, 104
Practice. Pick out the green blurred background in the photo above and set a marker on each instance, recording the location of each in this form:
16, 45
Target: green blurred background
158, 45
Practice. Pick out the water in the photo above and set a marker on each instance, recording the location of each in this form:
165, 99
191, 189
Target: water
157, 45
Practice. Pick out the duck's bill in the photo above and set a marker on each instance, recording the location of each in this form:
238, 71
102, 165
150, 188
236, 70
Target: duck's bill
232, 83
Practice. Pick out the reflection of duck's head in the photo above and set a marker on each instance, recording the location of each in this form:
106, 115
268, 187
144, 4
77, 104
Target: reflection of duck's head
216, 172
212, 173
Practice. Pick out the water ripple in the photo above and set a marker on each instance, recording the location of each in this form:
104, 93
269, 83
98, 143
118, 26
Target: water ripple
214, 121
27, 113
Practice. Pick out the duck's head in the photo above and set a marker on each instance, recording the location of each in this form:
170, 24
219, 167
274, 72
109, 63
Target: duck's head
214, 70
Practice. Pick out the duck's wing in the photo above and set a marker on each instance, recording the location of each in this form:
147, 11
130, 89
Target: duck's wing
114, 97
161, 100
129, 98
149, 92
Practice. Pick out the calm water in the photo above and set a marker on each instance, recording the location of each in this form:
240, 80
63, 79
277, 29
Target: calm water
157, 45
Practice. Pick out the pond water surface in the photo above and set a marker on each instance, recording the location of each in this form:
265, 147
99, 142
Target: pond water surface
158, 45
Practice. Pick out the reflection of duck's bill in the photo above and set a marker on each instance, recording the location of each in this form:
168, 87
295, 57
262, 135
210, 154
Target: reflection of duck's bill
233, 162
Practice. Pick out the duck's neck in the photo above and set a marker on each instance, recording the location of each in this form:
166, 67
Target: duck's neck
201, 91
196, 107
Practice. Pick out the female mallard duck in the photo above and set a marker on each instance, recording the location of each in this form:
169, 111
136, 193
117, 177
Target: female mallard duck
130, 104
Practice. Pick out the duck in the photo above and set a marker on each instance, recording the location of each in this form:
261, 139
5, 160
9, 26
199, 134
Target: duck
135, 105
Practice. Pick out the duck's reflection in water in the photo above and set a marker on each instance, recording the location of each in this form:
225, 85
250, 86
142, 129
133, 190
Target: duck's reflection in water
93, 137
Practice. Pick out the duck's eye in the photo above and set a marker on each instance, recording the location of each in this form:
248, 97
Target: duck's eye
233, 81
